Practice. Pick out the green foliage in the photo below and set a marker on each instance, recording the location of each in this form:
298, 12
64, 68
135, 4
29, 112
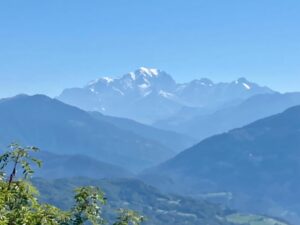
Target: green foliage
129, 217
19, 204
19, 156
88, 200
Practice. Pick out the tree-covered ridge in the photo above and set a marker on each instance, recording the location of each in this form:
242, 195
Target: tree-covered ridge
19, 203
159, 208
258, 164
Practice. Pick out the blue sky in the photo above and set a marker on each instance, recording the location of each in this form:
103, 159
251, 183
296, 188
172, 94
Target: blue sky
46, 46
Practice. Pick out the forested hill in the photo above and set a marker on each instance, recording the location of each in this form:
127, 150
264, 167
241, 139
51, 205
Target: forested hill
160, 209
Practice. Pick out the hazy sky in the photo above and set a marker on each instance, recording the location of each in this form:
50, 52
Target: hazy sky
46, 46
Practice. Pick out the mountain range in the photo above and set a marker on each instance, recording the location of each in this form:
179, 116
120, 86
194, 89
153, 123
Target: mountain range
199, 124
256, 167
63, 129
148, 95
67, 166
173, 140
246, 157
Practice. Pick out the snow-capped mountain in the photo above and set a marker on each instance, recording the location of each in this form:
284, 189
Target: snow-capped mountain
148, 94
204, 92
137, 84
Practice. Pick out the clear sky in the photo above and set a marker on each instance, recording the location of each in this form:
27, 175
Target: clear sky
46, 46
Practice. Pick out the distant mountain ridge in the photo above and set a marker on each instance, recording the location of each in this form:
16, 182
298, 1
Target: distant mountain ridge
148, 95
258, 163
59, 128
202, 124
175, 141
67, 166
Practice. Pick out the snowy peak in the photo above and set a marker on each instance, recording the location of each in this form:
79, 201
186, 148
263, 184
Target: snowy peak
139, 83
202, 82
245, 84
144, 81
107, 79
152, 72
101, 80
149, 94
151, 75
149, 78
142, 72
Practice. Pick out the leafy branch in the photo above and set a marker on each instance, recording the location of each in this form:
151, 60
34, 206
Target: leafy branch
19, 204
